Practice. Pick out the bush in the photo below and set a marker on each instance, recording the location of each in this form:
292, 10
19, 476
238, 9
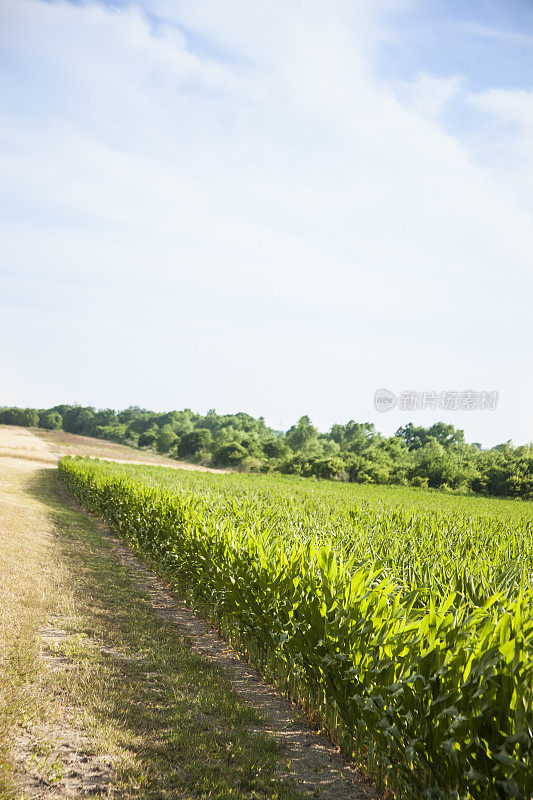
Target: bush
327, 468
191, 444
230, 455
51, 420
421, 483
165, 439
113, 433
25, 417
147, 439
292, 465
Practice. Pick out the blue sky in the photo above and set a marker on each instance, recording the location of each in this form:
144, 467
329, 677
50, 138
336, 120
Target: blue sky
275, 207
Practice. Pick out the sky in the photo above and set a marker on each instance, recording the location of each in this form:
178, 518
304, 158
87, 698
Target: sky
277, 207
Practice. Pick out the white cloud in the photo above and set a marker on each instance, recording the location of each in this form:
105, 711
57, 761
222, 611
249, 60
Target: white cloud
428, 95
249, 157
507, 106
507, 139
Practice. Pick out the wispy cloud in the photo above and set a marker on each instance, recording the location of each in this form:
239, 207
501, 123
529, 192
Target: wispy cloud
505, 36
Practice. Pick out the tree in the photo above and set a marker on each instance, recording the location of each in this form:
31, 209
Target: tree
105, 417
416, 437
274, 447
130, 413
253, 446
413, 436
230, 455
78, 419
25, 417
166, 438
147, 439
51, 420
329, 447
304, 438
194, 442
142, 422
447, 435
7, 416
354, 436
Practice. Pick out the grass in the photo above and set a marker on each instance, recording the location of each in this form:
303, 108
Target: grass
28, 595
166, 719
28, 455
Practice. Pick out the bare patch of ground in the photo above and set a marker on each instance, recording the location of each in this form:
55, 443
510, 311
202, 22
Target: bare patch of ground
21, 439
62, 444
66, 769
21, 443
55, 758
48, 447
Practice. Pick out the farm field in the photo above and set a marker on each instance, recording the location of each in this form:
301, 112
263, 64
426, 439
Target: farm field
111, 688
266, 441
400, 617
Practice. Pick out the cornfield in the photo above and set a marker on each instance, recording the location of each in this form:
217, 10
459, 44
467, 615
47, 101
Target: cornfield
404, 625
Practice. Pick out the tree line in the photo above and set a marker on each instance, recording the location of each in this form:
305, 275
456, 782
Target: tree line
436, 457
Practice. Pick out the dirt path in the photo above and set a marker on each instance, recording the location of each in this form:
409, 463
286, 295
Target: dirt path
49, 755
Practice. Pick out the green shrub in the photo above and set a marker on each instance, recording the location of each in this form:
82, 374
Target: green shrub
147, 439
230, 455
25, 417
51, 420
191, 444
165, 439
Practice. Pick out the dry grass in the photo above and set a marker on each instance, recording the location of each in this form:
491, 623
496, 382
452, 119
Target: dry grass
29, 455
61, 444
30, 578
47, 447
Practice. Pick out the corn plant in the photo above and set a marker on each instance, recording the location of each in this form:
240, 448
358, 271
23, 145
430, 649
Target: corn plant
407, 631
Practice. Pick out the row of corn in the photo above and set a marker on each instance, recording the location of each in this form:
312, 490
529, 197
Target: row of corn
428, 688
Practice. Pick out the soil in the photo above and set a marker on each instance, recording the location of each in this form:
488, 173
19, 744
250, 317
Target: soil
72, 769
